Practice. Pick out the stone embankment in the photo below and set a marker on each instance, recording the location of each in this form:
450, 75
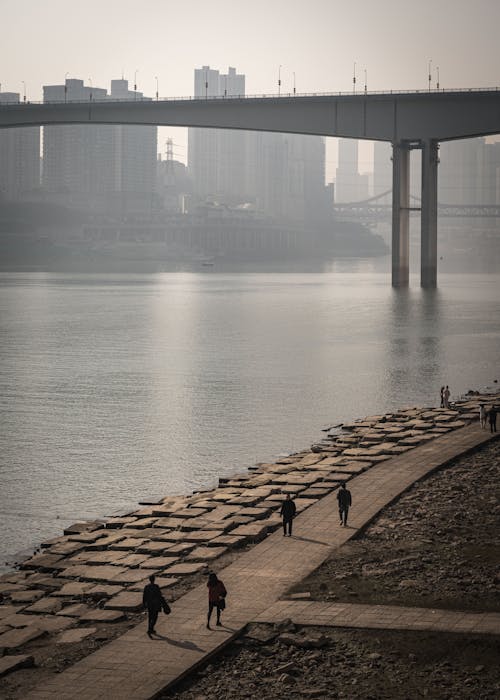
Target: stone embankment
84, 588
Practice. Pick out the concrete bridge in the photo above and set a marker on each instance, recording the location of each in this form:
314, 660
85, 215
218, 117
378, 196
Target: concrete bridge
409, 120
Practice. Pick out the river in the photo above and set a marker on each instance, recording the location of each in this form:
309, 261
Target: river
119, 387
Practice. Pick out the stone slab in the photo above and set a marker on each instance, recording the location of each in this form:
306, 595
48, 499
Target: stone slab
42, 561
162, 581
73, 589
106, 541
100, 615
158, 563
15, 638
202, 535
66, 548
25, 597
206, 553
227, 541
128, 544
185, 568
180, 548
83, 527
133, 560
255, 512
13, 662
7, 611
253, 532
75, 635
106, 572
74, 610
127, 600
103, 590
52, 623
133, 575
118, 522
47, 605
143, 523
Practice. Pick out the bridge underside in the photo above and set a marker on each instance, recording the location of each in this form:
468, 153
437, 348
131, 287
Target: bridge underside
407, 120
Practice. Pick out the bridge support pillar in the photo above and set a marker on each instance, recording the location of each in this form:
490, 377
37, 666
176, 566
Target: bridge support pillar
428, 222
400, 214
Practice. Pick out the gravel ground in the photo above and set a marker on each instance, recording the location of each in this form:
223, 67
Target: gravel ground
437, 546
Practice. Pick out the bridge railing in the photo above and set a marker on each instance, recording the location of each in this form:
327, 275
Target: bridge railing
262, 96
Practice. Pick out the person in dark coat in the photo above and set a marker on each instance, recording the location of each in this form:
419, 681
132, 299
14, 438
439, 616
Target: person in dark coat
345, 500
216, 597
287, 512
492, 416
153, 601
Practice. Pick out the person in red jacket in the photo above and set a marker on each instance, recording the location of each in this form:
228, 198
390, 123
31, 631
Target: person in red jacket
216, 597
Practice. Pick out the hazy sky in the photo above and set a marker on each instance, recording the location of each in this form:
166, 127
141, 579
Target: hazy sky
319, 40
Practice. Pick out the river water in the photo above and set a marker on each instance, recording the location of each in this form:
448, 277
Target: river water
120, 387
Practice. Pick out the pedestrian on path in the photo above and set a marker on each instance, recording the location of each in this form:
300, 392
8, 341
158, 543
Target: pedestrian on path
287, 512
216, 597
442, 397
345, 500
446, 396
482, 415
492, 415
153, 601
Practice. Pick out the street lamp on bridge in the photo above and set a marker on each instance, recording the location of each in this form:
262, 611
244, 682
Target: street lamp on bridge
135, 83
354, 79
24, 90
437, 73
279, 80
430, 74
366, 81
90, 83
156, 78
294, 91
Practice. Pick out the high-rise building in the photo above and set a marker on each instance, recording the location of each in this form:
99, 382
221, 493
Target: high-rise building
216, 156
282, 175
382, 168
134, 155
347, 177
19, 158
106, 167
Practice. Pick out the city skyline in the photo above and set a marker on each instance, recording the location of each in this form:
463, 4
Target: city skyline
314, 46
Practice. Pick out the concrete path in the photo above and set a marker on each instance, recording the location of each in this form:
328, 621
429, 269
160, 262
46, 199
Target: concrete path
133, 667
394, 617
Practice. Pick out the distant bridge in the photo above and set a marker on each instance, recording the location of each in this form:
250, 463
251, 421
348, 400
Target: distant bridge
374, 209
409, 120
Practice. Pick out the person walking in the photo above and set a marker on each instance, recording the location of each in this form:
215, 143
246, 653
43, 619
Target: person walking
344, 499
442, 397
216, 597
287, 512
492, 415
482, 415
446, 396
153, 601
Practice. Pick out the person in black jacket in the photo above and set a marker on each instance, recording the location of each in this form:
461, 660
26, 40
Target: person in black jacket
153, 601
492, 415
287, 512
345, 500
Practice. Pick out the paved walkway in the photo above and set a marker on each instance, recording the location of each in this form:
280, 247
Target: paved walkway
393, 617
133, 667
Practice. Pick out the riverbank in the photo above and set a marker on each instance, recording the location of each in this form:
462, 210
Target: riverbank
436, 547
88, 583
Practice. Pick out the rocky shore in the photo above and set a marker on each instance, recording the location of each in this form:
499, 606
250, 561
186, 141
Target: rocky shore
84, 588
